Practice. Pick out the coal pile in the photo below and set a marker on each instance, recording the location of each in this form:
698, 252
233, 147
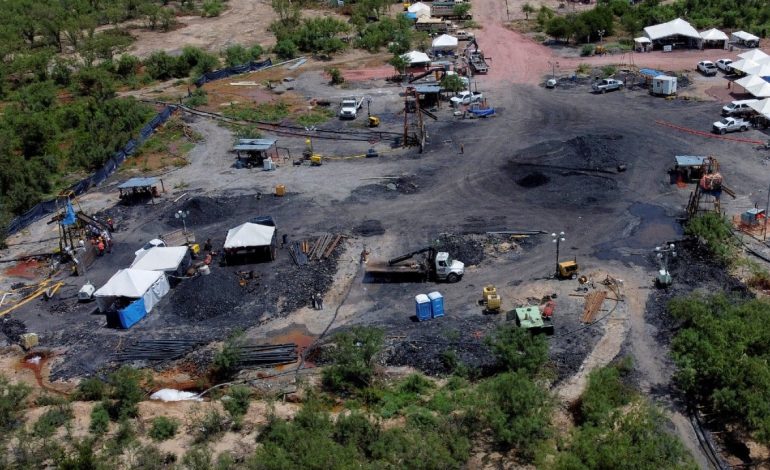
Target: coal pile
369, 228
533, 180
206, 297
387, 189
12, 329
203, 211
407, 185
466, 248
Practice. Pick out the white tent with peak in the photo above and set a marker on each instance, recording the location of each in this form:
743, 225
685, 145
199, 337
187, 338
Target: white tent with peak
150, 286
249, 235
445, 42
677, 27
762, 107
419, 9
416, 57
161, 258
755, 55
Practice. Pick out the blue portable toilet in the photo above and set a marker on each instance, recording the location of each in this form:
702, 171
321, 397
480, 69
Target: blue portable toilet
422, 307
436, 304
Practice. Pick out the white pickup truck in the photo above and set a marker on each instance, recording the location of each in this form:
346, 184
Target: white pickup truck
466, 97
607, 84
730, 124
349, 107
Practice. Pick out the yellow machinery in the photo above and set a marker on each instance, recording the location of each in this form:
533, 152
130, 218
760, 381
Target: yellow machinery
406, 6
490, 299
374, 121
315, 160
568, 269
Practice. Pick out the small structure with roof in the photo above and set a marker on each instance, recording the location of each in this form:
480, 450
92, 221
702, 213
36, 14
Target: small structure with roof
419, 9
745, 39
642, 44
714, 38
129, 295
250, 242
445, 43
676, 33
140, 189
169, 259
416, 58
254, 152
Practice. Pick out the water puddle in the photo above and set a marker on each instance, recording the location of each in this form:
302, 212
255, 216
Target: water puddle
653, 229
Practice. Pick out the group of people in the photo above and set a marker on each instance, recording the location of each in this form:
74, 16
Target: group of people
100, 238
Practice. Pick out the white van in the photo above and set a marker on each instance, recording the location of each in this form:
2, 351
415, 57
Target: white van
738, 108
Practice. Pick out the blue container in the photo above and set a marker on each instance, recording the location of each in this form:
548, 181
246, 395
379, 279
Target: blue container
436, 304
422, 307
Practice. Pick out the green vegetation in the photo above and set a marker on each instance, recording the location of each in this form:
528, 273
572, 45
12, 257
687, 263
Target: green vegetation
163, 428
53, 418
237, 54
353, 358
716, 231
336, 76
314, 117
517, 350
236, 403
263, 112
208, 426
13, 398
619, 429
722, 353
452, 83
100, 420
125, 393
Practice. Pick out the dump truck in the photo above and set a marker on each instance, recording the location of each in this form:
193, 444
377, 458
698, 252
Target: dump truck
349, 107
434, 265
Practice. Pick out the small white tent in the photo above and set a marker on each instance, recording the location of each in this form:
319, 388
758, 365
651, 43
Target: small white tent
419, 9
445, 42
150, 286
249, 235
747, 39
714, 38
160, 258
416, 58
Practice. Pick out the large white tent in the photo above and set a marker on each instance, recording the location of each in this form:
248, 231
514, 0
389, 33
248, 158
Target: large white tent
416, 57
746, 66
760, 89
150, 286
749, 81
419, 9
714, 37
757, 55
675, 31
249, 235
445, 42
762, 107
161, 258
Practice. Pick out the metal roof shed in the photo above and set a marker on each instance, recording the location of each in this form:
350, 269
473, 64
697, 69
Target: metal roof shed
684, 161
138, 182
254, 145
140, 189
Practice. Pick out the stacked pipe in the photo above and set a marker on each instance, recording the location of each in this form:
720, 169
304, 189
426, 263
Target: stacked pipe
157, 349
266, 354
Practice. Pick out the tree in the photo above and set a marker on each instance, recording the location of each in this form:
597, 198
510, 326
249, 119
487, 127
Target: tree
288, 12
452, 83
399, 62
559, 28
462, 10
517, 349
527, 9
160, 65
353, 358
285, 49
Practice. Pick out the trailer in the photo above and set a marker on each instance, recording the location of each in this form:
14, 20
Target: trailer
449, 10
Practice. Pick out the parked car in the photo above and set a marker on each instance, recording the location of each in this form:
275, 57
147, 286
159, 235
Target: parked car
150, 245
466, 97
607, 84
706, 67
724, 65
550, 83
739, 108
730, 124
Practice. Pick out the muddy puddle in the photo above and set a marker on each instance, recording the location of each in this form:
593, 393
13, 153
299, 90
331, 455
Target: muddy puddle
654, 228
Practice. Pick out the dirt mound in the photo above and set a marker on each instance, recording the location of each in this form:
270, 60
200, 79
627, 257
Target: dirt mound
12, 329
533, 180
387, 188
369, 228
202, 211
466, 248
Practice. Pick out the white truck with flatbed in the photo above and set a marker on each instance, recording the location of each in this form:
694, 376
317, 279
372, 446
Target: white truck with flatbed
349, 107
730, 124
435, 265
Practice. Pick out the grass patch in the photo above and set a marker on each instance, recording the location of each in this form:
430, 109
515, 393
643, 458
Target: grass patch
264, 112
54, 418
314, 117
163, 428
168, 146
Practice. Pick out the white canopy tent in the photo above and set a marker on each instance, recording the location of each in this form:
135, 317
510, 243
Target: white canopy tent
715, 37
249, 235
445, 42
756, 55
759, 90
745, 38
746, 66
419, 9
160, 258
762, 107
749, 81
675, 31
642, 43
416, 57
150, 286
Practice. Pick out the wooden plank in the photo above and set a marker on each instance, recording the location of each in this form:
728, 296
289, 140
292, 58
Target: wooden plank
331, 248
593, 303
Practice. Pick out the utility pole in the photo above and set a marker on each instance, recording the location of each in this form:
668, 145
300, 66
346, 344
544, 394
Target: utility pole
553, 68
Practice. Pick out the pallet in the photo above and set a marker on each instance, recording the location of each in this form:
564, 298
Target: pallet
594, 301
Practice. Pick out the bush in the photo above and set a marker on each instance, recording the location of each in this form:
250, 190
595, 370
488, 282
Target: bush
716, 231
587, 50
353, 359
199, 97
160, 65
210, 425
609, 70
236, 402
198, 458
127, 66
126, 392
195, 60
91, 389
517, 350
12, 400
285, 49
236, 54
163, 428
225, 362
336, 76
212, 8
605, 392
100, 420
54, 418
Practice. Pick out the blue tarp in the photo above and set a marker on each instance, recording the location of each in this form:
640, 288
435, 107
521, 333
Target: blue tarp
132, 313
70, 217
235, 70
483, 112
650, 72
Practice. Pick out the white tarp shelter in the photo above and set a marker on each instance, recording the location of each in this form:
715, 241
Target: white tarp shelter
755, 55
674, 32
747, 39
746, 66
749, 81
414, 58
642, 43
129, 283
759, 89
419, 9
445, 42
160, 258
762, 107
249, 235
714, 37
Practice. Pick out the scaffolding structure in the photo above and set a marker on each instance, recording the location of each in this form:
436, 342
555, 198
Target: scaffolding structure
414, 125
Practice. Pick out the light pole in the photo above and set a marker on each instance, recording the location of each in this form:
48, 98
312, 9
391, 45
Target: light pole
664, 254
557, 238
182, 215
553, 65
601, 35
